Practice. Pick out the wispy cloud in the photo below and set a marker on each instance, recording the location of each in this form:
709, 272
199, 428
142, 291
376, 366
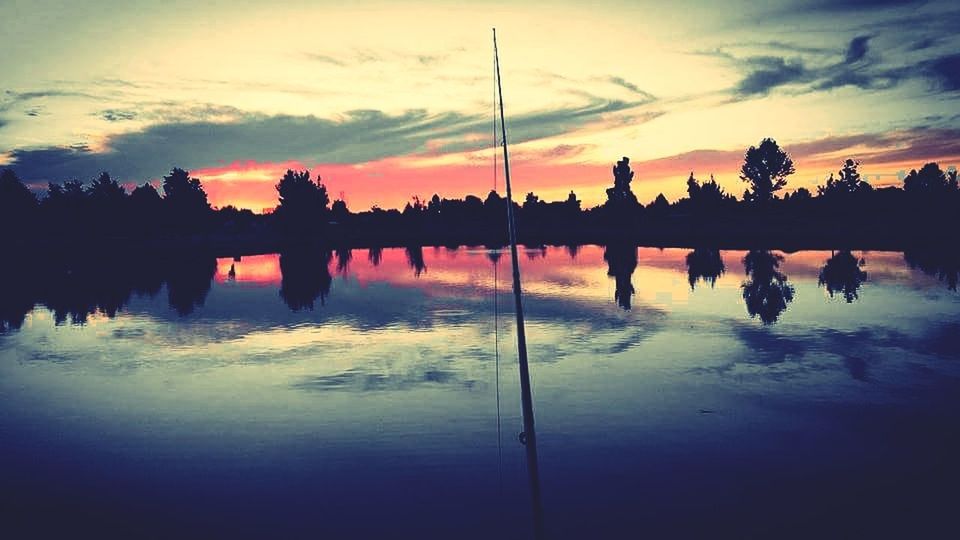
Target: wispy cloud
206, 135
858, 66
620, 81
117, 115
325, 59
12, 99
835, 6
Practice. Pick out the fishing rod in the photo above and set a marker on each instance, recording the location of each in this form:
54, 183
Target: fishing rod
529, 435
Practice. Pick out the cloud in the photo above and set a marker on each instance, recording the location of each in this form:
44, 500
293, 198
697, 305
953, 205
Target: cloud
769, 72
944, 72
792, 47
856, 5
117, 115
916, 145
564, 151
857, 67
857, 49
12, 98
325, 59
353, 137
428, 60
923, 44
620, 81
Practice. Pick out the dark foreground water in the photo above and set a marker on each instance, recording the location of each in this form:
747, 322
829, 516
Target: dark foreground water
677, 392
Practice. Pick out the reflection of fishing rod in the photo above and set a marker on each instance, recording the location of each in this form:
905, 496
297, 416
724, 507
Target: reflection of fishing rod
529, 435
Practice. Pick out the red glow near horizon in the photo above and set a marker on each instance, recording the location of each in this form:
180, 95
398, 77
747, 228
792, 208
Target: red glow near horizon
392, 182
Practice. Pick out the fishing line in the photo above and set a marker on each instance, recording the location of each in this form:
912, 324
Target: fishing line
496, 308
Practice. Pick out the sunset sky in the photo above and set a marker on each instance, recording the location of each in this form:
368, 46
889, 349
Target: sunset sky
387, 100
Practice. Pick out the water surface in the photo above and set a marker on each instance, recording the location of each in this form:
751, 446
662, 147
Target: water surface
677, 392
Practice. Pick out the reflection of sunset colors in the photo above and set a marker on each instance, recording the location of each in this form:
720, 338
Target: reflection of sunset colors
263, 269
659, 279
381, 118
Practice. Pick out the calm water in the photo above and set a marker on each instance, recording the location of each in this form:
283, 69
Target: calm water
677, 393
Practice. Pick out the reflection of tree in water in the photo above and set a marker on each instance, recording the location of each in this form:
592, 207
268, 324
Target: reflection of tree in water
767, 292
375, 255
343, 260
17, 296
188, 282
534, 253
76, 286
942, 264
572, 250
841, 274
415, 259
621, 262
305, 276
704, 264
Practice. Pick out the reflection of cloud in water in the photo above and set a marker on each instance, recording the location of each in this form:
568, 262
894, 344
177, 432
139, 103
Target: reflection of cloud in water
359, 380
783, 355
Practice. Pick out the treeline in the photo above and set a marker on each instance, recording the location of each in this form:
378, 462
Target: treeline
845, 211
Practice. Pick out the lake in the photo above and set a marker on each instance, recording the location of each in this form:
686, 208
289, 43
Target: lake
677, 392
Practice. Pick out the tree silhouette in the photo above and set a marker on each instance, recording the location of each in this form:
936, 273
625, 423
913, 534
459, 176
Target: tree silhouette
531, 201
847, 183
339, 211
18, 204
303, 203
660, 206
65, 206
929, 180
107, 202
706, 197
621, 263
704, 264
145, 207
767, 291
185, 202
765, 168
620, 196
107, 190
841, 274
801, 194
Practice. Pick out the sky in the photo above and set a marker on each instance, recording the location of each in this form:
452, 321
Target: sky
389, 100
